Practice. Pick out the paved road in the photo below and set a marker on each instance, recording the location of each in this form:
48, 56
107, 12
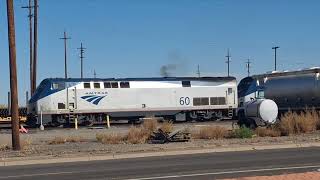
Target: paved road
198, 166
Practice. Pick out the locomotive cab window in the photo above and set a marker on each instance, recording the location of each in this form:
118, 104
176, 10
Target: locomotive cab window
260, 94
124, 85
58, 85
86, 85
186, 84
96, 85
114, 85
107, 85
61, 106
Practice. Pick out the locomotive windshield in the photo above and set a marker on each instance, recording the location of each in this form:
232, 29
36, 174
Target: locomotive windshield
244, 86
40, 91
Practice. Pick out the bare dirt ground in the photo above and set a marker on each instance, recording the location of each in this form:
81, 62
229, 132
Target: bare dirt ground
296, 176
37, 143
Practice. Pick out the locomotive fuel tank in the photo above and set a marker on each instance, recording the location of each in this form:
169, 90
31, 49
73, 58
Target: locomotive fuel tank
258, 112
262, 111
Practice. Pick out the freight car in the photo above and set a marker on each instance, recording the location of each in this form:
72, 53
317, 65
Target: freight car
59, 100
294, 90
5, 115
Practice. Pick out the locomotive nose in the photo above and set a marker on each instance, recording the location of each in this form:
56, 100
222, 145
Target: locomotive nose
32, 107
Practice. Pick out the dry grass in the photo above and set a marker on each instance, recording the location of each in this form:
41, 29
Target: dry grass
138, 135
211, 132
267, 132
314, 118
110, 138
62, 140
294, 123
74, 139
150, 125
4, 147
308, 121
166, 127
26, 143
57, 140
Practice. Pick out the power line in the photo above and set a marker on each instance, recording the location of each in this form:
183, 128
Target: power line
248, 66
228, 61
81, 58
65, 38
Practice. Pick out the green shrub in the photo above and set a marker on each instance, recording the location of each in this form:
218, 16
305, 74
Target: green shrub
242, 133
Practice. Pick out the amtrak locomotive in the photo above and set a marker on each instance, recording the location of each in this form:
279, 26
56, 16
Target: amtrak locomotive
59, 100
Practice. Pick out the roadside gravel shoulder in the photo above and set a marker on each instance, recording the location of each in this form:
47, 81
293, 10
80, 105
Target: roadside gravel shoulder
42, 153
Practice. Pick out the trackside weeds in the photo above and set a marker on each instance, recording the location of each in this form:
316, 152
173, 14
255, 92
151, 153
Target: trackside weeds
293, 128
291, 123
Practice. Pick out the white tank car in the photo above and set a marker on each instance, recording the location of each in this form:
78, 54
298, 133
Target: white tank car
177, 98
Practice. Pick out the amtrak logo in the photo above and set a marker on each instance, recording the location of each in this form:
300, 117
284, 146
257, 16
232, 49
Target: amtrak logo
94, 99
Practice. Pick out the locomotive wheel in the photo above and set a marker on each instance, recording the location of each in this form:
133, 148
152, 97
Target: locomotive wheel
55, 124
87, 123
250, 123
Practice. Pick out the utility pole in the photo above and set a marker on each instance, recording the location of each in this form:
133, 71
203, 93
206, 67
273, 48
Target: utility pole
29, 7
275, 56
248, 66
228, 61
198, 71
81, 58
94, 73
13, 77
9, 104
65, 38
35, 46
27, 98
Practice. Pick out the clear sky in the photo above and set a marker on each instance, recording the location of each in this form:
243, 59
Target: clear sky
135, 38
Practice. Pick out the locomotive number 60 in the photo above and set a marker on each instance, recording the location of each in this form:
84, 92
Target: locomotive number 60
184, 101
